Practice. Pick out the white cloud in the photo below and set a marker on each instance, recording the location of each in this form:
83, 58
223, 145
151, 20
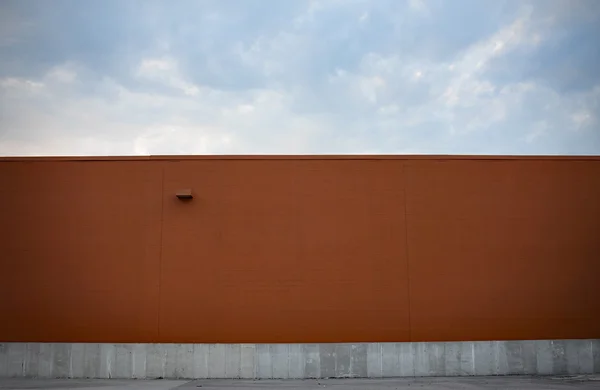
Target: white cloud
138, 122
180, 140
19, 85
364, 18
62, 74
419, 6
582, 119
166, 71
325, 82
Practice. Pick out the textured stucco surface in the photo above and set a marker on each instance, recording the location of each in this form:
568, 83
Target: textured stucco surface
300, 249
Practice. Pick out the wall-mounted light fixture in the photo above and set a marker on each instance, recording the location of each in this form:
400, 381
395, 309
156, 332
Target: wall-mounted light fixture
184, 194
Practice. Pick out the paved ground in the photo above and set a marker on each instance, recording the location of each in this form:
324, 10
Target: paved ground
473, 383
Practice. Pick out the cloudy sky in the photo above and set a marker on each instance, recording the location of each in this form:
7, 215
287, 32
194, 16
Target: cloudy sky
127, 77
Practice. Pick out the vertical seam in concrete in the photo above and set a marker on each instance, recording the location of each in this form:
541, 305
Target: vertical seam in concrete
160, 252
407, 255
145, 361
133, 362
592, 355
254, 361
51, 369
288, 360
578, 360
70, 360
351, 365
473, 356
206, 359
240, 367
497, 357
164, 362
24, 359
380, 360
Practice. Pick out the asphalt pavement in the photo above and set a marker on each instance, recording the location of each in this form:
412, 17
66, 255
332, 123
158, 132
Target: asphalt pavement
456, 383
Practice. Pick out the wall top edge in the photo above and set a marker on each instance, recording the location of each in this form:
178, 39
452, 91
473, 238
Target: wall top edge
408, 157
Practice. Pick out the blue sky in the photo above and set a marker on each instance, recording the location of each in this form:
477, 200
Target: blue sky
126, 77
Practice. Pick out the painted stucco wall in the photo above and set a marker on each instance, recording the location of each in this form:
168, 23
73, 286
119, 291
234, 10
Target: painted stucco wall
299, 249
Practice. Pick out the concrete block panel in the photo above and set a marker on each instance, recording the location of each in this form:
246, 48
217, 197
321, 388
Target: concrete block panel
61, 360
296, 360
139, 361
312, 362
327, 360
248, 361
437, 359
406, 359
374, 360
579, 356
123, 361
279, 360
179, 361
156, 355
107, 360
421, 359
545, 363
559, 357
501, 358
359, 361
216, 361
32, 355
77, 360
15, 359
429, 359
343, 360
200, 362
521, 357
459, 359
233, 356
185, 360
45, 362
390, 360
91, 360
3, 359
485, 356
552, 357
264, 362
596, 355
170, 360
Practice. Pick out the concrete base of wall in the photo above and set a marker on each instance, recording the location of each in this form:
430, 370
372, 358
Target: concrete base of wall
265, 361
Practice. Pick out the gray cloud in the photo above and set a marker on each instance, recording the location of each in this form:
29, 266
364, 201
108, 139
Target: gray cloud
328, 76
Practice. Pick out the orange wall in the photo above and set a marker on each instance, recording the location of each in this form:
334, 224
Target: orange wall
299, 249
